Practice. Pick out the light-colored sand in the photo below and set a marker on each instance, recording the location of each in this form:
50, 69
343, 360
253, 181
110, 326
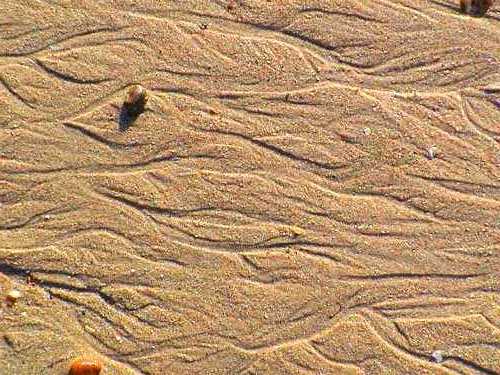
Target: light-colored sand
276, 210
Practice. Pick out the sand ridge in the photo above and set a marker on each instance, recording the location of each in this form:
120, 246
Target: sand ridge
313, 187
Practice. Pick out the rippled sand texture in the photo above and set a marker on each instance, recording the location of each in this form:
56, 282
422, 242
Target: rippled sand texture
274, 211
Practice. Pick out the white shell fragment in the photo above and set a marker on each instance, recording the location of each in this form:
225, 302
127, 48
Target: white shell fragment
437, 356
432, 152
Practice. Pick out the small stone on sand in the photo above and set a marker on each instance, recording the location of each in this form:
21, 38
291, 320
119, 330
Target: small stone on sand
136, 100
13, 296
432, 152
437, 356
85, 367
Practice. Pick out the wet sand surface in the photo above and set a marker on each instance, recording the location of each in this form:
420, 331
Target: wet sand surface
313, 188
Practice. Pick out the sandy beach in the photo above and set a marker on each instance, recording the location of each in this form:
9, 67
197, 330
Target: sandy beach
313, 187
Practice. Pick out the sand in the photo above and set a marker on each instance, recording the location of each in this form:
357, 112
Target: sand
313, 188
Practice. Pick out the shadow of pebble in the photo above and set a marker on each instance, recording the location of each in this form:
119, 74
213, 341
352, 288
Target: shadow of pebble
125, 120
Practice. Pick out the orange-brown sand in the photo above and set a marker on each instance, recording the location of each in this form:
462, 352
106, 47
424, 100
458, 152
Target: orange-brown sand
312, 188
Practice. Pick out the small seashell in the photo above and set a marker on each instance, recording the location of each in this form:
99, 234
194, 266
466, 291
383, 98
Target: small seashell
432, 152
13, 296
85, 367
135, 101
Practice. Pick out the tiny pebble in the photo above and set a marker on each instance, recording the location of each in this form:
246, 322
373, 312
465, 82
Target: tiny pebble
367, 131
85, 367
135, 100
13, 296
438, 356
432, 152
